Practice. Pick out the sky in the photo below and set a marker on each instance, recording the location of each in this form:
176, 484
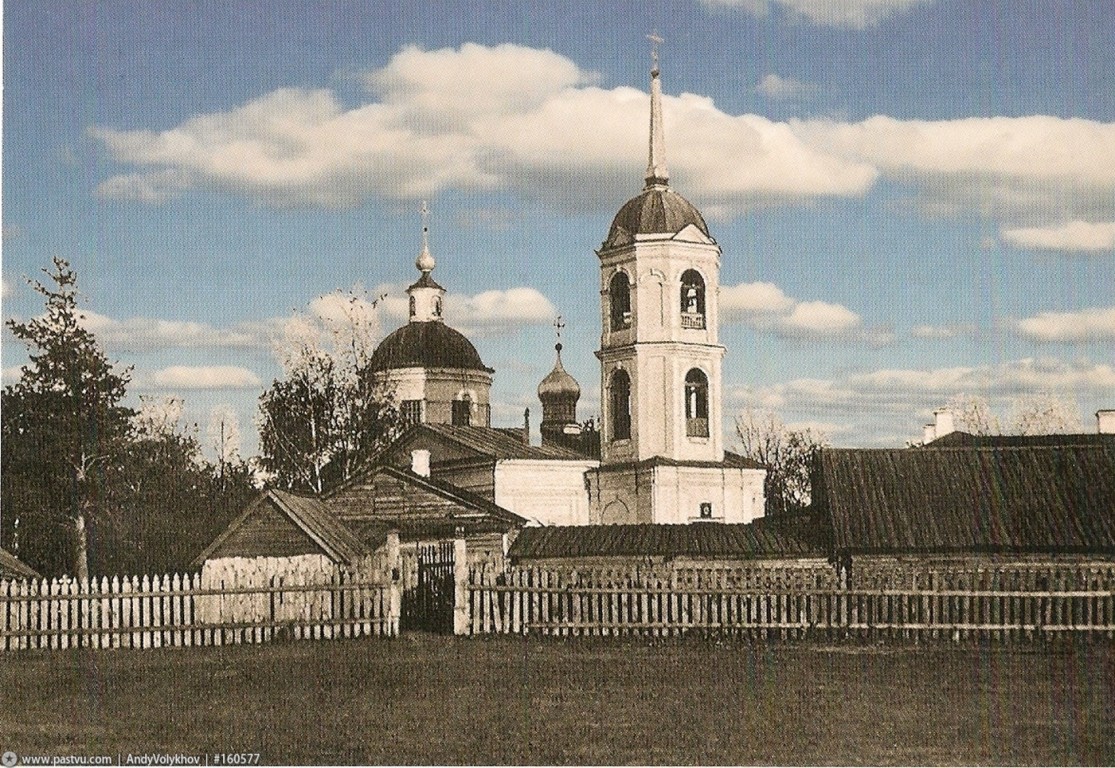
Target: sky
915, 198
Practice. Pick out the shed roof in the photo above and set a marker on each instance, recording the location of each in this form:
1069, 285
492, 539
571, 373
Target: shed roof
766, 538
310, 515
1002, 499
968, 440
12, 567
496, 443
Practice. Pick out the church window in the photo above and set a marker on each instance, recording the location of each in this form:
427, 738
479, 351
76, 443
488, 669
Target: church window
437, 306
692, 300
619, 298
462, 412
411, 411
413, 307
621, 405
696, 403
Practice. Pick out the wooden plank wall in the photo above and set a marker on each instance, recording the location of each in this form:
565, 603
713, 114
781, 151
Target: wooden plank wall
176, 610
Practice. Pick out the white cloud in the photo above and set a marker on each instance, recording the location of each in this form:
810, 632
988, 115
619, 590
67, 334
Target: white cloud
200, 377
1073, 236
848, 14
777, 87
1068, 327
765, 306
426, 132
888, 406
146, 333
483, 313
5, 288
951, 331
1005, 166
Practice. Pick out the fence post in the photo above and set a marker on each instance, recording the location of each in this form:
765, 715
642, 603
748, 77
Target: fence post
395, 586
461, 616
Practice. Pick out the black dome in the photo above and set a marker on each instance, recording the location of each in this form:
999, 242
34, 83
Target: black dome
431, 344
657, 210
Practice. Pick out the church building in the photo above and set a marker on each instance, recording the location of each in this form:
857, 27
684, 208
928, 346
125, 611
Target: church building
662, 448
658, 454
435, 373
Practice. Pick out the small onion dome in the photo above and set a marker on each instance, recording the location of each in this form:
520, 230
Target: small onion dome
430, 344
656, 210
558, 383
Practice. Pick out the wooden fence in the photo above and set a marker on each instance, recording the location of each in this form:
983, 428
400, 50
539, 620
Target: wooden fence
537, 601
175, 610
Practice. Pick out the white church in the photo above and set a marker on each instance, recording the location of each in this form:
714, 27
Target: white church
658, 454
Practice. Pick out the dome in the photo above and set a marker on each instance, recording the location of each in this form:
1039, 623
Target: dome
430, 344
657, 210
558, 383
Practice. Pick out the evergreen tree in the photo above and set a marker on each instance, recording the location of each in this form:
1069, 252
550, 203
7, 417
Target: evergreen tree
63, 430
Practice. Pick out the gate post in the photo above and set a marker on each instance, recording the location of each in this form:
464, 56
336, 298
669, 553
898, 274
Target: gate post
394, 582
461, 617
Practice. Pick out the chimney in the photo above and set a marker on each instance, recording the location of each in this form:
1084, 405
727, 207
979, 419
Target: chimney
942, 422
420, 462
929, 434
1105, 421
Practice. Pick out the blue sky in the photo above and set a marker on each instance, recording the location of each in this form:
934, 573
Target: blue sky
915, 198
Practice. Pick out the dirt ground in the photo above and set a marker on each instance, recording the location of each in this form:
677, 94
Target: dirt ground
429, 699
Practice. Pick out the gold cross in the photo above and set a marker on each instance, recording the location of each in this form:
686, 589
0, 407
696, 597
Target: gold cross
559, 324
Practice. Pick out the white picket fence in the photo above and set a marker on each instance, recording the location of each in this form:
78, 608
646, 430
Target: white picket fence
176, 610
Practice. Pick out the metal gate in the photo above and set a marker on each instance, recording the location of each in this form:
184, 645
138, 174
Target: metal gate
428, 604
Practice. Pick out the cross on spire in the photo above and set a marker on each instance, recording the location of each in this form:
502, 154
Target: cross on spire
425, 261
654, 42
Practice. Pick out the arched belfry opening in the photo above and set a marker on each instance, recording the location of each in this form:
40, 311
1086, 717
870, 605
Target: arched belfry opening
696, 403
620, 400
692, 300
619, 299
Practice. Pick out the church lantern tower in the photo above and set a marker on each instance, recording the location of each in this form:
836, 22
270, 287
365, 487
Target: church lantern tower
434, 372
660, 356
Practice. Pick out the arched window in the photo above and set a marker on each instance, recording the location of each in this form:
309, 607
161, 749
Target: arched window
462, 412
692, 299
696, 403
437, 306
619, 298
413, 306
621, 405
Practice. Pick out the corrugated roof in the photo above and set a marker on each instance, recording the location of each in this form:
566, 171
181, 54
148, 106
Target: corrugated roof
965, 439
498, 444
730, 460
797, 536
1009, 499
12, 566
321, 523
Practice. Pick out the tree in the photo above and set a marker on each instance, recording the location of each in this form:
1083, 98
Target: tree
327, 416
786, 453
1039, 413
63, 426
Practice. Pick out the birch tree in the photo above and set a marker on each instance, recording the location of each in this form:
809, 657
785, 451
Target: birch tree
786, 453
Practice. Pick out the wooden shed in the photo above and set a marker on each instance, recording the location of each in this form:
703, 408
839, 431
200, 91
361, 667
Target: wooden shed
999, 515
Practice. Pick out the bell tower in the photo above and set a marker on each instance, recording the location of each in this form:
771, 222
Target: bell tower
660, 356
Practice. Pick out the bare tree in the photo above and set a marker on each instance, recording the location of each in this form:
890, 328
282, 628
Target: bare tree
786, 453
1047, 413
973, 414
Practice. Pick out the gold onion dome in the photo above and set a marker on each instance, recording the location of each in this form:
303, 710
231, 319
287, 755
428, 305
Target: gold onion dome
558, 383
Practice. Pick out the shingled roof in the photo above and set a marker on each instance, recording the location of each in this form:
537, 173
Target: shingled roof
968, 440
991, 499
497, 443
11, 567
766, 538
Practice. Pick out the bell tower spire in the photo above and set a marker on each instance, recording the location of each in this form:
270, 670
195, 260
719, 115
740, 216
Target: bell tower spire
657, 174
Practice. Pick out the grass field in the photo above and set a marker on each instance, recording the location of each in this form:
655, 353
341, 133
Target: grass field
426, 699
